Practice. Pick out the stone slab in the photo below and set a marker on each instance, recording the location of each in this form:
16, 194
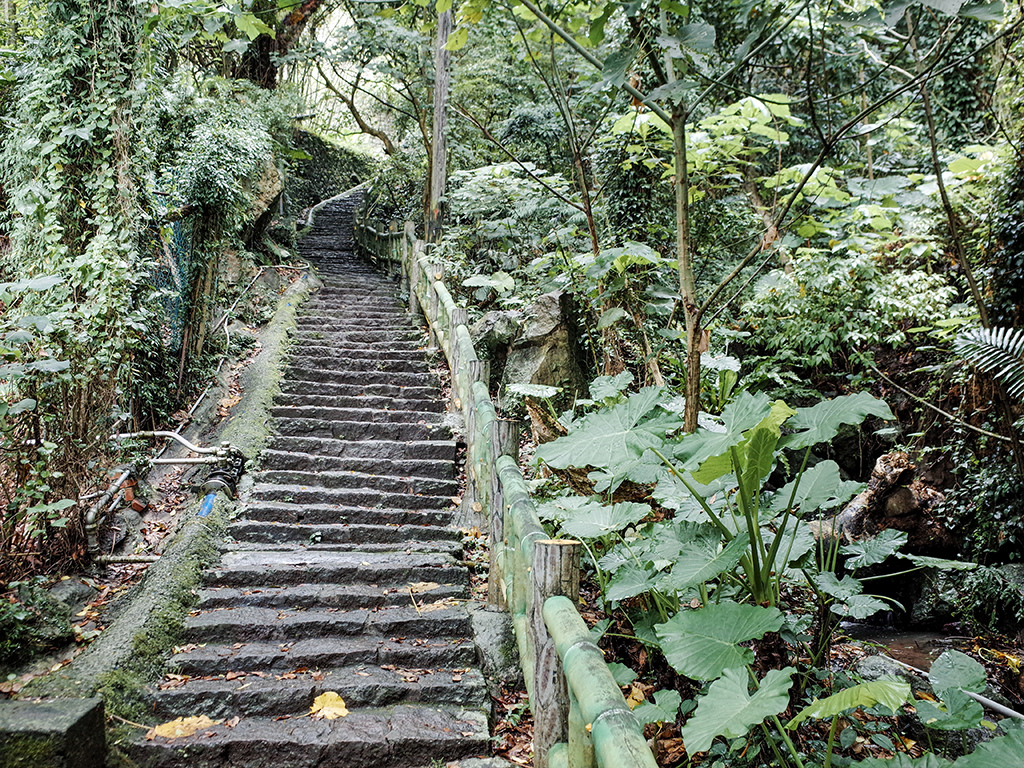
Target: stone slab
61, 733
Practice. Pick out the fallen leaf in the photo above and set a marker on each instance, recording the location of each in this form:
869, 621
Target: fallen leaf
423, 586
232, 722
181, 727
328, 706
636, 697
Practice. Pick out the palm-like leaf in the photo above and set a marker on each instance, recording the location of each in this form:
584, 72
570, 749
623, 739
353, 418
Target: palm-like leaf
997, 351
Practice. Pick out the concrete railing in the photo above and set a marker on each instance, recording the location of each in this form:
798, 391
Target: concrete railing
580, 716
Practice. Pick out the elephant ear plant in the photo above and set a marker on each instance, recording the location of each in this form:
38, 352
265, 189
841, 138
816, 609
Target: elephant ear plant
704, 585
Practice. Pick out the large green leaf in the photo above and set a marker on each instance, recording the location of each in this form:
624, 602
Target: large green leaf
820, 487
892, 693
729, 710
743, 413
872, 551
820, 423
957, 713
754, 454
1002, 752
697, 566
629, 581
596, 520
954, 669
614, 435
702, 644
939, 562
663, 710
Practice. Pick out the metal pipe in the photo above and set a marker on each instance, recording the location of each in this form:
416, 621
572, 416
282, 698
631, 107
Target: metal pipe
108, 559
92, 523
995, 706
200, 460
162, 433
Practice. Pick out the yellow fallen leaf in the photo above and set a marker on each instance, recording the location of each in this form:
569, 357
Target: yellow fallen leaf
636, 697
328, 706
181, 727
423, 586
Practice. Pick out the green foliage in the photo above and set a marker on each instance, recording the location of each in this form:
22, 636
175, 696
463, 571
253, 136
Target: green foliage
891, 693
320, 169
997, 351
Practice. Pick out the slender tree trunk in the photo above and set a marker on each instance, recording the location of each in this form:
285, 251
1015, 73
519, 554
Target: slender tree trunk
687, 283
439, 153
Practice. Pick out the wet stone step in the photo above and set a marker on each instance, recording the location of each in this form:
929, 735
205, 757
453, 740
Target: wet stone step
321, 347
364, 415
324, 653
255, 569
360, 430
345, 374
383, 449
397, 737
419, 392
364, 686
280, 625
347, 597
359, 401
358, 497
290, 512
359, 480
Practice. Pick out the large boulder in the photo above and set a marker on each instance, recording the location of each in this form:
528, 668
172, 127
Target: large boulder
545, 350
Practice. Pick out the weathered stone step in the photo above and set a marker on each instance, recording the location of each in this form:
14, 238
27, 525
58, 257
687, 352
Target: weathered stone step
329, 359
345, 374
324, 653
340, 533
357, 497
361, 686
359, 480
359, 401
378, 325
270, 569
410, 339
243, 625
398, 737
323, 348
434, 468
362, 415
313, 514
382, 449
346, 597
360, 430
419, 392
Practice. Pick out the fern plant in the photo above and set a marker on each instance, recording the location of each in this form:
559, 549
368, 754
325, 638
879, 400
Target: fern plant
997, 351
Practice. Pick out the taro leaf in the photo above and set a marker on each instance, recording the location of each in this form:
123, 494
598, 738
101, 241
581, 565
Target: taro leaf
891, 693
827, 582
610, 317
961, 712
729, 710
597, 520
48, 365
858, 607
629, 581
957, 670
543, 391
743, 413
32, 284
672, 494
612, 436
18, 337
702, 644
902, 760
698, 38
938, 562
604, 387
820, 487
821, 422
755, 452
671, 538
1003, 751
566, 507
621, 674
872, 551
663, 710
697, 566
802, 544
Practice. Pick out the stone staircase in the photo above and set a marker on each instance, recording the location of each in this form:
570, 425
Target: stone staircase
340, 573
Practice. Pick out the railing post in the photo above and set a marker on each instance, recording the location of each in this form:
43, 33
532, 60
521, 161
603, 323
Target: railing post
434, 273
408, 235
505, 436
556, 571
414, 279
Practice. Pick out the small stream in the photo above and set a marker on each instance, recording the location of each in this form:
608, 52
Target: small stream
917, 647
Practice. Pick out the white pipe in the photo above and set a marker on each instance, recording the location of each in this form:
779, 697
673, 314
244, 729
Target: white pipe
995, 706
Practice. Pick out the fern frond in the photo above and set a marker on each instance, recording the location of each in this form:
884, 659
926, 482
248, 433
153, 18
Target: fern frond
997, 351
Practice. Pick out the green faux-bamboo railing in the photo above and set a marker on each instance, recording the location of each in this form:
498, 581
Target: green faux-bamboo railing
581, 719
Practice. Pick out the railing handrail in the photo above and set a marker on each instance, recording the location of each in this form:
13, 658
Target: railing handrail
581, 717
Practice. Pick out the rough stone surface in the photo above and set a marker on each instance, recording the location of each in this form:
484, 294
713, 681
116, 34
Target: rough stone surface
62, 733
496, 645
543, 353
341, 572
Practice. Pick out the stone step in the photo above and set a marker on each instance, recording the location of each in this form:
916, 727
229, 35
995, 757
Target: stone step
279, 625
387, 569
365, 340
328, 359
314, 514
346, 597
433, 468
397, 737
324, 348
419, 392
345, 374
324, 653
379, 325
379, 449
359, 401
360, 686
362, 415
350, 497
358, 480
398, 536
358, 431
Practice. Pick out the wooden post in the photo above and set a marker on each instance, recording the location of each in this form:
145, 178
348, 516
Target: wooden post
414, 278
556, 571
459, 317
505, 436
